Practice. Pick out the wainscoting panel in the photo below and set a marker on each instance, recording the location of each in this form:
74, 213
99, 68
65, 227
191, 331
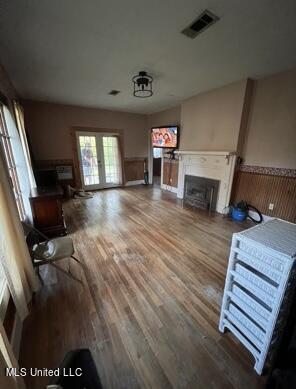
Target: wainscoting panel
262, 189
170, 173
134, 169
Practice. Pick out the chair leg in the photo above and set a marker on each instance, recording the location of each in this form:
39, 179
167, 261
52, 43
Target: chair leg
77, 260
67, 273
39, 275
41, 279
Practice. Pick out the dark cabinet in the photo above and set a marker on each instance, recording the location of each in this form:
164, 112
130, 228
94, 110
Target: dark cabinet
47, 210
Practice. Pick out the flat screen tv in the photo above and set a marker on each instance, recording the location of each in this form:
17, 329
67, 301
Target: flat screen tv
165, 137
46, 177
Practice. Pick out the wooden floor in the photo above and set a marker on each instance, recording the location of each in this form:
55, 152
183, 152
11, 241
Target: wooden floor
150, 304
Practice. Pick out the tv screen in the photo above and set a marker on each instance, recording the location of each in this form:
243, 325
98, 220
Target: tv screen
165, 137
46, 177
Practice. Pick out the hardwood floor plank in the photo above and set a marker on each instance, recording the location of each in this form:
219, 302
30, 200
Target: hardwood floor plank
150, 302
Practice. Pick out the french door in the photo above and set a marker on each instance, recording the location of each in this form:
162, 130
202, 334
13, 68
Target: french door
99, 159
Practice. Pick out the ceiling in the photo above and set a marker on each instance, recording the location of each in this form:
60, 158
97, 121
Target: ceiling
75, 52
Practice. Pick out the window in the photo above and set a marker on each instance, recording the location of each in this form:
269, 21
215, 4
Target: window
157, 152
19, 114
111, 159
13, 159
5, 140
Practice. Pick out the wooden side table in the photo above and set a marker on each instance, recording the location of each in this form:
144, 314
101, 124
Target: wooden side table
47, 210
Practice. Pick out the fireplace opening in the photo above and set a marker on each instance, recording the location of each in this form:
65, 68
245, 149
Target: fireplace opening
201, 192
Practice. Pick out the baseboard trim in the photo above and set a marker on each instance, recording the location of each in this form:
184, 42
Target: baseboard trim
136, 182
169, 188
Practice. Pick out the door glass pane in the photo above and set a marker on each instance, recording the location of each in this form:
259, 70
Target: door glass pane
111, 159
157, 152
89, 160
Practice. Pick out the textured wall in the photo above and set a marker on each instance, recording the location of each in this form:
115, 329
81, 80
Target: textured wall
211, 121
49, 128
271, 135
167, 117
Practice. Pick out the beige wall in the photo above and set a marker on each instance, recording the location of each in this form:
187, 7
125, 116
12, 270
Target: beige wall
168, 117
271, 135
49, 127
214, 121
211, 121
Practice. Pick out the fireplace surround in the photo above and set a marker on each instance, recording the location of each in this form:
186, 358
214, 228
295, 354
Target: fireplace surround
215, 165
201, 192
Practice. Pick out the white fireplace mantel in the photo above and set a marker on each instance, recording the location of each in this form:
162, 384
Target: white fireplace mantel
225, 153
217, 165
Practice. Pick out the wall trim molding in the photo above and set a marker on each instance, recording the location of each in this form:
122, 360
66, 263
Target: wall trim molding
131, 159
169, 188
271, 171
135, 182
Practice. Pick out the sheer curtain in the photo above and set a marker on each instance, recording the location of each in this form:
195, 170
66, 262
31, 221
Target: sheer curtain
14, 255
19, 114
18, 269
15, 260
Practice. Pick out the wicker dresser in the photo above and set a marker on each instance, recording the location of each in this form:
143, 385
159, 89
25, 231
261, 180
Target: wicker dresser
259, 287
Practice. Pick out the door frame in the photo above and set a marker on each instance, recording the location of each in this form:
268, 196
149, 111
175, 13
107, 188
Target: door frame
150, 159
76, 151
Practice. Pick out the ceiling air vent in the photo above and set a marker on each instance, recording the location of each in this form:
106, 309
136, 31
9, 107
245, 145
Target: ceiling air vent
114, 92
205, 20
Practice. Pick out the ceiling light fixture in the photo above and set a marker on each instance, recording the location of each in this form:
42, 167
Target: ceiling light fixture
142, 85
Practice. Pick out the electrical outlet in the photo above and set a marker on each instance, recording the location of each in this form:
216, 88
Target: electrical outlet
271, 206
